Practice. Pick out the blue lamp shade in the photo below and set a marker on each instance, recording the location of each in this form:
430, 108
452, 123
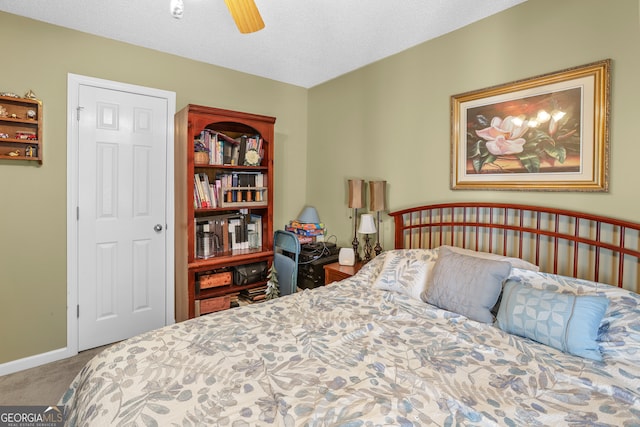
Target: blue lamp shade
309, 215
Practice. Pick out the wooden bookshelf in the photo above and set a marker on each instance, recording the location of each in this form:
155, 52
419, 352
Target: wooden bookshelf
194, 125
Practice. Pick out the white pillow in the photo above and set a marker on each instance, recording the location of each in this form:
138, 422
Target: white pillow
406, 271
515, 262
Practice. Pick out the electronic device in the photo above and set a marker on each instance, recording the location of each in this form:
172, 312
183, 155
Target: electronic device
311, 262
313, 251
347, 256
311, 274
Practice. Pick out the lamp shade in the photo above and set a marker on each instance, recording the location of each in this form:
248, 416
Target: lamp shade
246, 15
367, 224
309, 215
377, 195
356, 193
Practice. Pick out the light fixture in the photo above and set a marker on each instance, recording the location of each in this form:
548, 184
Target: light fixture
356, 201
377, 196
309, 215
177, 8
367, 226
246, 15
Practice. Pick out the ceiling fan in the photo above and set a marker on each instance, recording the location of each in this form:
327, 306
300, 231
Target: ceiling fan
244, 13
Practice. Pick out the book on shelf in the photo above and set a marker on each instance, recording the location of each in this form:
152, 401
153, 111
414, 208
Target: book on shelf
206, 189
222, 233
225, 150
214, 195
238, 235
219, 146
199, 188
241, 187
241, 179
242, 149
254, 294
205, 192
234, 183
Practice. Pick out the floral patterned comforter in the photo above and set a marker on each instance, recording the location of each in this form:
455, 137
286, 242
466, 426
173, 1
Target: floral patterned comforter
350, 355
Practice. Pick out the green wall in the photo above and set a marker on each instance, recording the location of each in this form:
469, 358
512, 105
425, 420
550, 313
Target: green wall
391, 120
38, 56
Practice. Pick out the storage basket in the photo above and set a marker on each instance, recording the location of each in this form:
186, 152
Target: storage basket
201, 158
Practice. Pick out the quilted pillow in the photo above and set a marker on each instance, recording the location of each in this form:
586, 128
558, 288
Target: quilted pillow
466, 285
563, 321
406, 271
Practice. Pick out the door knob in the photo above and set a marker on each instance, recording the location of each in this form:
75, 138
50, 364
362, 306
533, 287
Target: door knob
157, 227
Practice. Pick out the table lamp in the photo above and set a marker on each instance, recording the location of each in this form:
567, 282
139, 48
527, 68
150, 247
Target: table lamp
367, 226
309, 215
356, 201
377, 197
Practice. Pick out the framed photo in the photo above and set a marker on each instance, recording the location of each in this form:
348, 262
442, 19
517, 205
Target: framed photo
549, 133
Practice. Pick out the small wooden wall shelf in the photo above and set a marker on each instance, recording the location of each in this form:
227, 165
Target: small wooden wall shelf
20, 129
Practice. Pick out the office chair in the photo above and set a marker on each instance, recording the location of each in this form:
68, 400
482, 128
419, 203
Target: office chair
286, 249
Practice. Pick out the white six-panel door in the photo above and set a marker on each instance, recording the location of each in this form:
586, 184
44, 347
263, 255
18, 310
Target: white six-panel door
122, 283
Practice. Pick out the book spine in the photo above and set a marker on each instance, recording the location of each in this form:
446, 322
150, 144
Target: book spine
218, 189
196, 196
225, 236
242, 149
234, 183
198, 184
203, 190
207, 191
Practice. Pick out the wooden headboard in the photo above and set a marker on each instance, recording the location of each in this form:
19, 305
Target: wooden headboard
565, 242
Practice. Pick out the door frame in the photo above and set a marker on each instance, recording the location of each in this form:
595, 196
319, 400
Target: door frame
74, 82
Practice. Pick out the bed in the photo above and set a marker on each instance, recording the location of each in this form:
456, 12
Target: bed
379, 349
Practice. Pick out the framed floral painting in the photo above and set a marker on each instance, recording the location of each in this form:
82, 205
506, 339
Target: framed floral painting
550, 133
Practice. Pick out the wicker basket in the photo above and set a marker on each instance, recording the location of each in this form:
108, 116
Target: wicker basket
201, 157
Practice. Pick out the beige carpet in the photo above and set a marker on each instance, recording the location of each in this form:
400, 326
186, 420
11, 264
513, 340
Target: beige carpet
43, 385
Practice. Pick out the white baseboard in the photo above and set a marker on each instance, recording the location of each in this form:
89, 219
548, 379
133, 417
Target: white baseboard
36, 360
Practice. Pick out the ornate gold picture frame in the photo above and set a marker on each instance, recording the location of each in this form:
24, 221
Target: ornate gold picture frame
549, 132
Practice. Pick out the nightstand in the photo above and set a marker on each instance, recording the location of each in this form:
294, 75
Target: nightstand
335, 272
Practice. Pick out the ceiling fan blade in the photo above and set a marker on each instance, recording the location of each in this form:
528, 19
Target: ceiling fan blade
246, 15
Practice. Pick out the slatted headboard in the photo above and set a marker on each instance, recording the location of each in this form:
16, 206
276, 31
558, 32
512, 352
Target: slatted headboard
565, 242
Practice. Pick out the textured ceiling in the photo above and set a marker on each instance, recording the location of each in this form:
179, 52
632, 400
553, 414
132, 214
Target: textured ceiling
304, 42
